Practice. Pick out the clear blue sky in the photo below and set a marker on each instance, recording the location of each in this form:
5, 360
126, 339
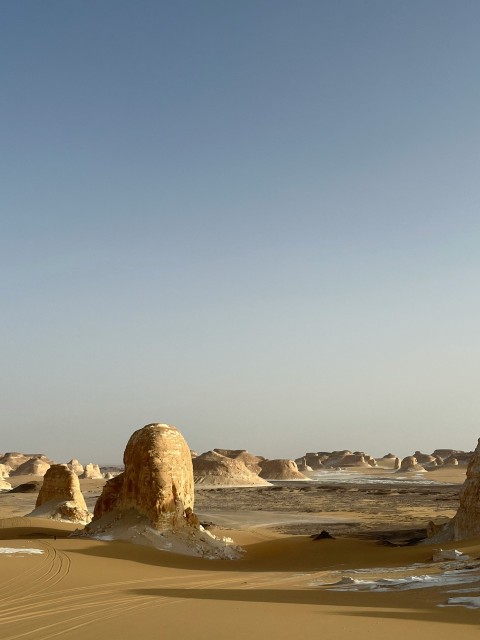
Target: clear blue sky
258, 221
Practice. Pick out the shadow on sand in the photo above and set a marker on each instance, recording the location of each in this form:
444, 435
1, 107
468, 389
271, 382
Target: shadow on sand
374, 605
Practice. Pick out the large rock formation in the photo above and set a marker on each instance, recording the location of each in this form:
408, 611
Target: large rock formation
91, 472
13, 459
151, 502
212, 468
36, 466
466, 523
60, 497
281, 469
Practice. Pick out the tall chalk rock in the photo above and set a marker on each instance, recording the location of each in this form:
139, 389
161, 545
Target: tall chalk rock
60, 496
158, 478
466, 522
151, 502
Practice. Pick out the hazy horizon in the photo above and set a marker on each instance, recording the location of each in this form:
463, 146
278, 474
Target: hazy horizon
256, 221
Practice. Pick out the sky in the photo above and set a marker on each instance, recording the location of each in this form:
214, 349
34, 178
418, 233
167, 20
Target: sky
258, 221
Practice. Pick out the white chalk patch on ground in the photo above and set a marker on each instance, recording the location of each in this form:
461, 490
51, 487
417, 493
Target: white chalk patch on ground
12, 550
451, 574
350, 477
471, 603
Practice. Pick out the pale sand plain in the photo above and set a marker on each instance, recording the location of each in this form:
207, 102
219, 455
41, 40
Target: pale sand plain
281, 587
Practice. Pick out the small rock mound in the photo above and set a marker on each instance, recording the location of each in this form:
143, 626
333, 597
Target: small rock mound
75, 466
451, 462
281, 469
4, 471
151, 502
60, 497
425, 458
212, 468
4, 485
410, 464
91, 472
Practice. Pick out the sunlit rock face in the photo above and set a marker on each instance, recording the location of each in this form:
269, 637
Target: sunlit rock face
158, 478
466, 523
60, 497
151, 501
4, 485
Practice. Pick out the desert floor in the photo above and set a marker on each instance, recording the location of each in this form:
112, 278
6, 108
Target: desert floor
285, 585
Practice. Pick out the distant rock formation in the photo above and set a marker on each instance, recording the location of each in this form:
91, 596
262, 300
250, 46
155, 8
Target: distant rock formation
310, 459
4, 471
152, 501
410, 464
212, 468
451, 461
356, 460
4, 485
335, 459
445, 453
60, 497
36, 466
302, 465
281, 469
424, 458
75, 466
251, 461
91, 472
13, 459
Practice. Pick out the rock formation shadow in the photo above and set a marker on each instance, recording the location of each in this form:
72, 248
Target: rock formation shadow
379, 605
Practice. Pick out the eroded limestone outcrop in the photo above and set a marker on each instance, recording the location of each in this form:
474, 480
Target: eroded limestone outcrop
4, 485
91, 472
152, 501
60, 497
212, 468
4, 471
466, 522
281, 469
75, 465
35, 466
409, 464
